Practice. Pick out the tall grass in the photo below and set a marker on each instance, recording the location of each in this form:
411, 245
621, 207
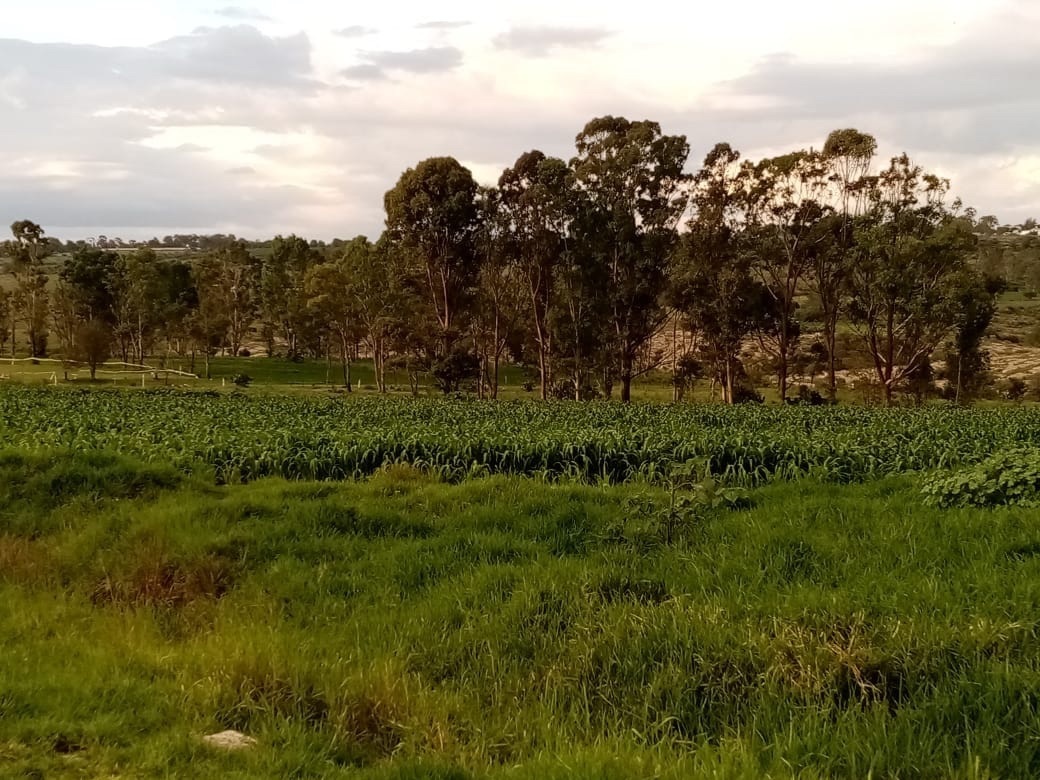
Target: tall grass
408, 628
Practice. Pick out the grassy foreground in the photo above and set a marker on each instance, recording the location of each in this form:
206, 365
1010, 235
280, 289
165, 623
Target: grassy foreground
402, 627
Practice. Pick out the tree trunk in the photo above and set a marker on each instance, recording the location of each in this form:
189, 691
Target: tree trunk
494, 376
381, 366
727, 383
345, 355
832, 365
960, 365
542, 378
626, 378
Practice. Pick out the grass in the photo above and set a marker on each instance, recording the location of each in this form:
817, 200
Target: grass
401, 627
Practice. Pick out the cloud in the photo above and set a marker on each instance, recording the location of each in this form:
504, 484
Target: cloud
379, 64
442, 25
239, 55
355, 31
431, 60
364, 72
228, 129
240, 14
539, 41
974, 95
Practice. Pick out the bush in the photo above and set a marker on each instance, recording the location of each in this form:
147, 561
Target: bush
242, 380
743, 394
807, 396
1014, 389
1011, 477
244, 352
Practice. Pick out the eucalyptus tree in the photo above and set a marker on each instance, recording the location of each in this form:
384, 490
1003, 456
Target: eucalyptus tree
848, 155
383, 290
905, 283
90, 275
500, 297
432, 215
5, 318
785, 219
332, 294
967, 363
534, 212
283, 299
138, 302
712, 283
232, 278
26, 252
631, 176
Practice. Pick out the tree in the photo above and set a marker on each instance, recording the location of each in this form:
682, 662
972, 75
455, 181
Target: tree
137, 302
90, 275
976, 304
579, 319
911, 252
786, 220
29, 301
711, 281
208, 323
499, 300
283, 297
177, 299
92, 344
848, 155
5, 318
633, 181
386, 295
334, 300
432, 215
534, 211
65, 317
232, 275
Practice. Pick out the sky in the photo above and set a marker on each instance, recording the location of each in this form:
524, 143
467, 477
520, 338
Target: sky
135, 118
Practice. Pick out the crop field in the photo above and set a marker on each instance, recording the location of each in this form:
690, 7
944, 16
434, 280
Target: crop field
401, 589
238, 437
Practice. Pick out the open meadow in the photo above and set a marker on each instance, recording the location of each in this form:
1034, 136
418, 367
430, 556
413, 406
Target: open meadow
389, 588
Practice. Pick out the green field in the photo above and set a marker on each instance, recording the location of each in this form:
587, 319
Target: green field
503, 592
236, 437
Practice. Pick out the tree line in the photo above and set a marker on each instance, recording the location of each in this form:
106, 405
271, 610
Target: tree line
579, 269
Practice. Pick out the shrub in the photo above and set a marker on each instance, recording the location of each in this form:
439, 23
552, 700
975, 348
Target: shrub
807, 396
1014, 389
242, 380
1011, 477
743, 394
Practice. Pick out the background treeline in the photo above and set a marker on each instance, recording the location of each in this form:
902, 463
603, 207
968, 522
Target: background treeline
592, 272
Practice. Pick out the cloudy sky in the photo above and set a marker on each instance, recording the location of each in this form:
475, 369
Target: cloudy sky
146, 117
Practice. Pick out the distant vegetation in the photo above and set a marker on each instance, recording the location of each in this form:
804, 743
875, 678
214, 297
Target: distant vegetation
590, 273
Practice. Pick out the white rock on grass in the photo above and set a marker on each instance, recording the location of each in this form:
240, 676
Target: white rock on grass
229, 740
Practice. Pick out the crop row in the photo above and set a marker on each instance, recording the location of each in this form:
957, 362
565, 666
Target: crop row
245, 437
